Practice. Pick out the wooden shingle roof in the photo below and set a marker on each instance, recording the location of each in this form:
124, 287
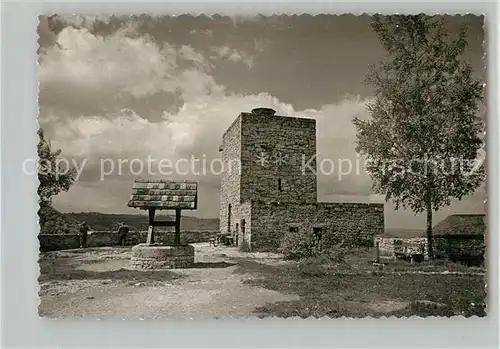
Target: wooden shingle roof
164, 194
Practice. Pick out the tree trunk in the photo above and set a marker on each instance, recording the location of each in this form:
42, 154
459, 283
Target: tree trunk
429, 230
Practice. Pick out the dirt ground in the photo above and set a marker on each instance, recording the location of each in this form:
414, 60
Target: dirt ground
98, 283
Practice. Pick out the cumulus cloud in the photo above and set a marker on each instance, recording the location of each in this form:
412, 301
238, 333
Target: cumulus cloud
188, 53
88, 68
88, 73
118, 66
206, 32
196, 130
341, 169
231, 54
238, 19
46, 36
259, 45
82, 21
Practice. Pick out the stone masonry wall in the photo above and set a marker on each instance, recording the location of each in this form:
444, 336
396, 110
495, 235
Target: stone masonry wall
281, 143
243, 217
387, 243
352, 223
459, 247
455, 247
110, 238
230, 177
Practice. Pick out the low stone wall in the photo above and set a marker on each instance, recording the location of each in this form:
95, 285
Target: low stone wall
110, 238
457, 248
354, 224
387, 244
460, 248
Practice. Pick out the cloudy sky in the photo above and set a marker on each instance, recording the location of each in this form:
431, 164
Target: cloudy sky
127, 88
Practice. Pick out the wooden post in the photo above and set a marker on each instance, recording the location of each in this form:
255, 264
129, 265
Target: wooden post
151, 236
177, 240
150, 240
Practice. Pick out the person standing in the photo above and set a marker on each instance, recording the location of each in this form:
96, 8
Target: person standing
122, 233
84, 231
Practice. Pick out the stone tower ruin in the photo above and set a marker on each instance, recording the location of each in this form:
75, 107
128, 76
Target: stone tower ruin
265, 187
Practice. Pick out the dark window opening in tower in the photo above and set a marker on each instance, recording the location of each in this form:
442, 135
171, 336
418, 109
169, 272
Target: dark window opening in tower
229, 218
279, 185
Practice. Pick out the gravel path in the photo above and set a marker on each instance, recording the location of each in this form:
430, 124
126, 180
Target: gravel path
99, 284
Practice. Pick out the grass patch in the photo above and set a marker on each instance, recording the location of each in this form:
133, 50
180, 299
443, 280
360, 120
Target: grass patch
362, 260
311, 267
325, 292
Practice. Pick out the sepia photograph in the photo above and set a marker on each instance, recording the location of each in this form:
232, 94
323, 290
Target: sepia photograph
205, 167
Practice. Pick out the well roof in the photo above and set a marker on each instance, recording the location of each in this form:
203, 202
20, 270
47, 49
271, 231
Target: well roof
164, 194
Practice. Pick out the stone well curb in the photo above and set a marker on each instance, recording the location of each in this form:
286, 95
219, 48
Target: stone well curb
162, 256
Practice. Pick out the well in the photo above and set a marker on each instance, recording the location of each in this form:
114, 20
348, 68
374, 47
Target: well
163, 194
150, 257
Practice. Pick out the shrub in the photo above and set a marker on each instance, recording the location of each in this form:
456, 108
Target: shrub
319, 266
336, 254
244, 246
312, 267
297, 245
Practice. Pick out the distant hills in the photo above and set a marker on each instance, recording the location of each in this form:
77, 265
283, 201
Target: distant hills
404, 233
55, 222
105, 221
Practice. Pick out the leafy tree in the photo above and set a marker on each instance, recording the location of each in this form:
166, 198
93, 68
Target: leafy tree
55, 222
422, 141
52, 175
